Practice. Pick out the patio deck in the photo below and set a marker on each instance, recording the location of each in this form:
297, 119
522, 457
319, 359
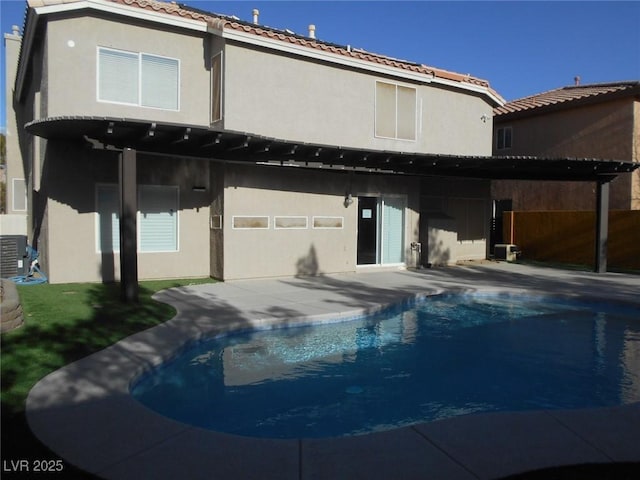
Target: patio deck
85, 414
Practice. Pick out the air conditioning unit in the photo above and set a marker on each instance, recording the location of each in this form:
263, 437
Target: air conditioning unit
506, 251
13, 252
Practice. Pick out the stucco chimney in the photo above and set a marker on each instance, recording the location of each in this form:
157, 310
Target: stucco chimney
255, 12
312, 31
576, 80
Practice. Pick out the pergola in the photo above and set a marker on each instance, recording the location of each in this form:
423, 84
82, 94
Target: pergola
131, 136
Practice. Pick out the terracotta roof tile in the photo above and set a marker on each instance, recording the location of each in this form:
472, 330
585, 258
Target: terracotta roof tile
564, 95
232, 23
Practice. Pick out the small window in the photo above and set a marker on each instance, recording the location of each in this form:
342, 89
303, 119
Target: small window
503, 138
216, 88
19, 195
328, 222
395, 111
290, 222
138, 79
245, 222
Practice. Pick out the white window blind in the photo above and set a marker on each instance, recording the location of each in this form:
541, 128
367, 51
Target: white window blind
107, 209
118, 76
406, 116
385, 110
159, 82
158, 219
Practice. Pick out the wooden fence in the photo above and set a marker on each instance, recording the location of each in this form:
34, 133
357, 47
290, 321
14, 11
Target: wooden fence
570, 237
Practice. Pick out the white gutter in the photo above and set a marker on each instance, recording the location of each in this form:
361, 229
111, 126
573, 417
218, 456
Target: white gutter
472, 87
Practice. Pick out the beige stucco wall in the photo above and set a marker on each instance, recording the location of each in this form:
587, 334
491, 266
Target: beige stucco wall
72, 77
14, 166
269, 191
604, 130
71, 221
335, 105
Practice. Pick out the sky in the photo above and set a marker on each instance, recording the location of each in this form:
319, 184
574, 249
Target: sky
521, 48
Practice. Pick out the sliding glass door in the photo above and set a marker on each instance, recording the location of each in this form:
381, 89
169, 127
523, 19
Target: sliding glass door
381, 230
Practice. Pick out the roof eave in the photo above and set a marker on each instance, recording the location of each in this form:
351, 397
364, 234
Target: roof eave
249, 38
568, 104
38, 8
30, 27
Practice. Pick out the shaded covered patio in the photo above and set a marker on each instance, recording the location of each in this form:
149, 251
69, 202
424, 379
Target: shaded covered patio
128, 137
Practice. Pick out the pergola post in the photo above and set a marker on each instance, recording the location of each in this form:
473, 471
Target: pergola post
602, 224
128, 227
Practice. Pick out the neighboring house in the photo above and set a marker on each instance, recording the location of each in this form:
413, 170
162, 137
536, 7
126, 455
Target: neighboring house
580, 121
160, 141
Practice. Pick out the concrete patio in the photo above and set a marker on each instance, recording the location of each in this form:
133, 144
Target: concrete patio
85, 414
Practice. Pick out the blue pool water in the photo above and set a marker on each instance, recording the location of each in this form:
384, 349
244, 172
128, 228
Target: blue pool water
434, 358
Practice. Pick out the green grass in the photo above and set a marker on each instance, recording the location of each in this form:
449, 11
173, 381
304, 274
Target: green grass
63, 323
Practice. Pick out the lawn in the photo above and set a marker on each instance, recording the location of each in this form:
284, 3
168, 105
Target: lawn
64, 323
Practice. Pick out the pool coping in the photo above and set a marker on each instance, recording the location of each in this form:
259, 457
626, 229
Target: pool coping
85, 414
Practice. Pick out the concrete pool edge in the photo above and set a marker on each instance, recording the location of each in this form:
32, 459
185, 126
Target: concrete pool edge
85, 414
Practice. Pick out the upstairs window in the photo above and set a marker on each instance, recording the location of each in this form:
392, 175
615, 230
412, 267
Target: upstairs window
395, 111
138, 79
503, 138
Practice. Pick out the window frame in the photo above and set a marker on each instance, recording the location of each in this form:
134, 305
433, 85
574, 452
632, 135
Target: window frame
240, 227
377, 102
501, 138
139, 90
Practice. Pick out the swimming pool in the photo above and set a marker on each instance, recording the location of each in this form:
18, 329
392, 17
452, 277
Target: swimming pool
425, 360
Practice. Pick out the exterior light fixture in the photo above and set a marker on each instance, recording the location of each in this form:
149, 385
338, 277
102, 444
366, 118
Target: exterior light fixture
348, 200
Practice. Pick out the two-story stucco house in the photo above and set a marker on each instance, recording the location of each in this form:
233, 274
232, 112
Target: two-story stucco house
160, 141
175, 82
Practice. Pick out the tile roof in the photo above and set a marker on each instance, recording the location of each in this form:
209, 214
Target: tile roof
568, 95
222, 22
